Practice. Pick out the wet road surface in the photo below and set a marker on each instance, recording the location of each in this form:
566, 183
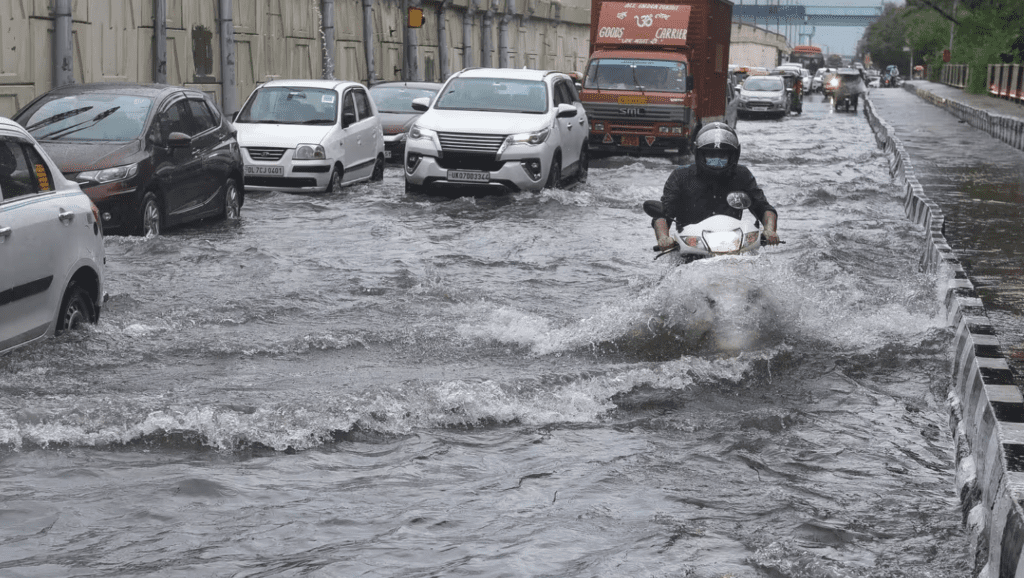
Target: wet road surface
376, 384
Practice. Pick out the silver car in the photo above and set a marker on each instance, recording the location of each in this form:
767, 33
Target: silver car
764, 96
510, 129
51, 245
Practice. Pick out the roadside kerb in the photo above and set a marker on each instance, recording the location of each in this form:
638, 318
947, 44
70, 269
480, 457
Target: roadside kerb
986, 408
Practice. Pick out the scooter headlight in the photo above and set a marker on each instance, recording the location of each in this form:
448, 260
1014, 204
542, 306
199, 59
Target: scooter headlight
694, 242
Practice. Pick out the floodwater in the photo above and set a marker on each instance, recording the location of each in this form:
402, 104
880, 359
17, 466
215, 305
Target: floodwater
374, 384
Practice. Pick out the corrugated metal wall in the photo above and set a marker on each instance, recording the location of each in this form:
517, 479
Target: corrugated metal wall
112, 40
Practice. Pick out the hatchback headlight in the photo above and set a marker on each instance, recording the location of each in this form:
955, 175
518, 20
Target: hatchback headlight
122, 173
309, 152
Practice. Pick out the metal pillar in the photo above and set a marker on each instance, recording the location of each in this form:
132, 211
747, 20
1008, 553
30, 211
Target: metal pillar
368, 40
327, 29
467, 34
160, 41
228, 88
485, 37
63, 55
442, 39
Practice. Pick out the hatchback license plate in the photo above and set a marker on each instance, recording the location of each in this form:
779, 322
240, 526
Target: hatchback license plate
256, 170
387, 154
469, 176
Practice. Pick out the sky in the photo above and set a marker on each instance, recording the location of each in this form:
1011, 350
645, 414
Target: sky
831, 39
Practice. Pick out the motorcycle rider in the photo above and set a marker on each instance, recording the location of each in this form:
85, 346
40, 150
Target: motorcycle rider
695, 192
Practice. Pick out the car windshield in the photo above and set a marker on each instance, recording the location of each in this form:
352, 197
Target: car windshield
636, 74
398, 98
494, 94
762, 83
89, 117
291, 105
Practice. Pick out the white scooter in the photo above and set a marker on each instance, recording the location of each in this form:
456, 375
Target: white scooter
717, 235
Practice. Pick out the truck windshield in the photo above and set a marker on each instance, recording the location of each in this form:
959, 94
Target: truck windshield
636, 74
494, 94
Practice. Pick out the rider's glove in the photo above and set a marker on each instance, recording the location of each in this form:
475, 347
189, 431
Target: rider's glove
665, 242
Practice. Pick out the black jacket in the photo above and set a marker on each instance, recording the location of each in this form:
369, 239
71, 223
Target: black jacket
691, 196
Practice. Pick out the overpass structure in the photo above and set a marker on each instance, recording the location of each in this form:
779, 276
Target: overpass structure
819, 15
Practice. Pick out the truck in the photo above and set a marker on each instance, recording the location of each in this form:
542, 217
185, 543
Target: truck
657, 73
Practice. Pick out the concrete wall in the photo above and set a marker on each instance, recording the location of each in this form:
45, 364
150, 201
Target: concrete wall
986, 408
756, 46
112, 40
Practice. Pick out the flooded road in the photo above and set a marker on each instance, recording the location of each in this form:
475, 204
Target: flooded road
377, 384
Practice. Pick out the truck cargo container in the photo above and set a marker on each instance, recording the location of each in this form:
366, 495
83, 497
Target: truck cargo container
657, 73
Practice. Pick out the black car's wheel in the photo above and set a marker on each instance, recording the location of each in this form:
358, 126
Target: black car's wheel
555, 173
76, 308
151, 218
334, 186
584, 164
232, 210
378, 170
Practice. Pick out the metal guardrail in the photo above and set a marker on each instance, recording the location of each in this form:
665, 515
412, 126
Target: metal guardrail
955, 75
1006, 81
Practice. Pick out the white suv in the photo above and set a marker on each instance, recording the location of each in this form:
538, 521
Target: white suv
521, 130
51, 245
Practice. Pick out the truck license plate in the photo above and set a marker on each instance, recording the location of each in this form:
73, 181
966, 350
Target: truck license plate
630, 141
469, 176
256, 170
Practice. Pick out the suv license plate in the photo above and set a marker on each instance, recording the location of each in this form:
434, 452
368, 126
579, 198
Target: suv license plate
469, 176
255, 170
630, 141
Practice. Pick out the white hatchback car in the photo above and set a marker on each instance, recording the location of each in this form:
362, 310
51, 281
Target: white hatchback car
309, 136
520, 130
51, 245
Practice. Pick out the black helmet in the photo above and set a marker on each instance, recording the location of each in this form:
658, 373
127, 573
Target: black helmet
716, 148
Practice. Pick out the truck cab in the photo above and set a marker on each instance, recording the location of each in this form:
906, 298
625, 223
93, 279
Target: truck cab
656, 74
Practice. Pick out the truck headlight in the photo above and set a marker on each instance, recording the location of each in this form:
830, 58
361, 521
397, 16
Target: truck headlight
308, 152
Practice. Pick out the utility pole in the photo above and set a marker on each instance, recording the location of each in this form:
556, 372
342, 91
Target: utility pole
952, 26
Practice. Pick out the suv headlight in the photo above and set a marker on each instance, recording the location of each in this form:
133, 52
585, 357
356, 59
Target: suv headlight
526, 138
309, 152
419, 133
110, 175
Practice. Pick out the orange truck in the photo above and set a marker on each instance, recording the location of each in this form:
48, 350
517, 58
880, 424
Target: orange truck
657, 73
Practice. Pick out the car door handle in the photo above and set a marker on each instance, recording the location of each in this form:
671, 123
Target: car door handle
581, 122
66, 216
5, 232
568, 125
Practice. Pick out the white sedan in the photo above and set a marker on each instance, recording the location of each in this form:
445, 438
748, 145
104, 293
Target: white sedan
309, 136
51, 245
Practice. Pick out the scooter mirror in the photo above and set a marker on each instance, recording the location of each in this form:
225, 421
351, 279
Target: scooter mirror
738, 200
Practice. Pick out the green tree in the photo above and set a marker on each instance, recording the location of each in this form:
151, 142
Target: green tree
985, 32
885, 38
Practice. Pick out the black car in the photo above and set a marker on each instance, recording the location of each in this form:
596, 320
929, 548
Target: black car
394, 105
149, 156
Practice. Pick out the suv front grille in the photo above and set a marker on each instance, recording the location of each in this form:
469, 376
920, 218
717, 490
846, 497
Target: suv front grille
470, 161
265, 153
470, 143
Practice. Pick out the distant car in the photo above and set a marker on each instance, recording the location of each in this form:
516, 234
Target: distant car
310, 136
394, 103
513, 129
817, 80
149, 156
51, 245
763, 96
